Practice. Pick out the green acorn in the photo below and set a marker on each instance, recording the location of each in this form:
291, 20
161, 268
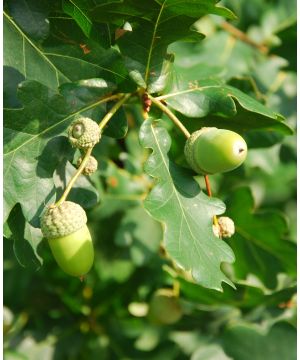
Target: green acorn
212, 150
90, 167
69, 238
84, 133
164, 308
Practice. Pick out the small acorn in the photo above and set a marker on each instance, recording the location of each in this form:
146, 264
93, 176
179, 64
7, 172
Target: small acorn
65, 228
225, 227
84, 133
164, 308
90, 167
211, 150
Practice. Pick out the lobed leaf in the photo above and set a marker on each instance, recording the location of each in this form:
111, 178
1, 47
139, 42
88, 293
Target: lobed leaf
225, 105
186, 212
155, 25
32, 147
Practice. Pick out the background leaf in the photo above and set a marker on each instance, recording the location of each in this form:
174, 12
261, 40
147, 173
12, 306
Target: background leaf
259, 240
251, 343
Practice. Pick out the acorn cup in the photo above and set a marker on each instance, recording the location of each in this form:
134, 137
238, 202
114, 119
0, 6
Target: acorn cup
211, 150
84, 133
164, 308
65, 228
90, 167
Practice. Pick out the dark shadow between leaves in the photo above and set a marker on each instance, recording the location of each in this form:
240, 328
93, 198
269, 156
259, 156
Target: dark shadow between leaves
56, 150
11, 79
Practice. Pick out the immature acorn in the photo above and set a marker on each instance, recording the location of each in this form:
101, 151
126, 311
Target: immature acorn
211, 150
225, 227
84, 133
90, 167
164, 308
64, 227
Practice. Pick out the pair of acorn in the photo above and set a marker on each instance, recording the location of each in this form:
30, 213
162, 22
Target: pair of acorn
207, 151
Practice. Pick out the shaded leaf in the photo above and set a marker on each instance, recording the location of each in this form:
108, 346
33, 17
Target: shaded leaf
185, 211
117, 126
83, 193
248, 342
26, 239
153, 30
25, 56
32, 149
259, 242
287, 34
31, 16
75, 8
56, 62
11, 79
141, 234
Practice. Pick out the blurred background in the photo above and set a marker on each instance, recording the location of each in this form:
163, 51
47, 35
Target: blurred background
49, 315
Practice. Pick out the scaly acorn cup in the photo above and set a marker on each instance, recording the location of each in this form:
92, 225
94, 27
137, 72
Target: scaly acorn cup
90, 167
64, 227
84, 133
211, 150
164, 308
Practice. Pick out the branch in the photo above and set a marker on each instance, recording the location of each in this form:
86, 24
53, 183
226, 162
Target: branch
243, 37
171, 115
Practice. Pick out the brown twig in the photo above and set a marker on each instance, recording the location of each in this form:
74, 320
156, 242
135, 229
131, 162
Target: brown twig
240, 35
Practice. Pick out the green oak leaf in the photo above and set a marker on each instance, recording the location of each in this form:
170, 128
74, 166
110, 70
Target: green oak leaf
186, 212
11, 79
224, 106
25, 238
60, 60
155, 25
75, 8
21, 53
31, 16
33, 148
259, 242
249, 342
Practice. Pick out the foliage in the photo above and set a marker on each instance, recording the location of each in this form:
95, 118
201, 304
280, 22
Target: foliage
149, 214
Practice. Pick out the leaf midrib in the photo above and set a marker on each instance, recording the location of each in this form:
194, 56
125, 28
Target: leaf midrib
182, 209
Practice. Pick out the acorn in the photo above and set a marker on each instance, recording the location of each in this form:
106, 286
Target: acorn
164, 308
90, 167
211, 150
65, 228
225, 227
84, 133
